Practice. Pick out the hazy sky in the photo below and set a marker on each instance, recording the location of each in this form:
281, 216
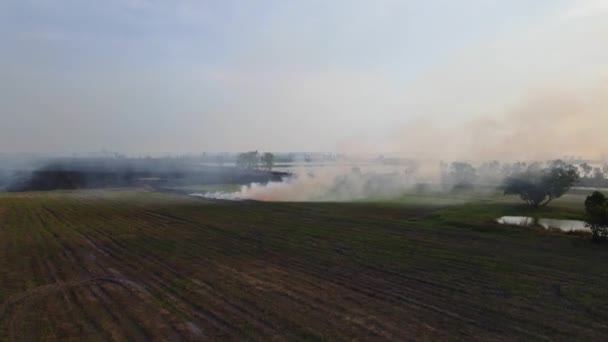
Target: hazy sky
143, 76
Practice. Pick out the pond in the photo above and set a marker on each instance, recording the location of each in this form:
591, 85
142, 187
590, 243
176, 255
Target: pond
547, 223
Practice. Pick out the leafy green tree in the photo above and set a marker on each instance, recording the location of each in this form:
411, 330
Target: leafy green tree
241, 161
462, 174
410, 169
538, 187
219, 159
489, 173
557, 163
596, 215
598, 174
268, 160
519, 167
248, 160
586, 168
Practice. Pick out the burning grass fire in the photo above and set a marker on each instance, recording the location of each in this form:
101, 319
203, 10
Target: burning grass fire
303, 170
343, 184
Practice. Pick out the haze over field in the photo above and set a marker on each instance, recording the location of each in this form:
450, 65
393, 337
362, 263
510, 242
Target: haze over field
296, 170
477, 79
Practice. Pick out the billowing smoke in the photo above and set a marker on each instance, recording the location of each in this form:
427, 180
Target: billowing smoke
533, 94
546, 125
535, 90
328, 184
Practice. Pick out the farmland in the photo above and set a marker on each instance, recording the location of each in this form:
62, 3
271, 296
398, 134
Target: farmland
139, 265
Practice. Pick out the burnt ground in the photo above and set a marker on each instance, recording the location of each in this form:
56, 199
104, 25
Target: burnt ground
112, 173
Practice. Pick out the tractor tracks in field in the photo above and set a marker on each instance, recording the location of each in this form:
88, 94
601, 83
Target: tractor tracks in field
397, 295
85, 254
138, 259
148, 270
44, 290
23, 298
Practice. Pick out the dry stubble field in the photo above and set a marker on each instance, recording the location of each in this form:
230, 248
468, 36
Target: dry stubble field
139, 265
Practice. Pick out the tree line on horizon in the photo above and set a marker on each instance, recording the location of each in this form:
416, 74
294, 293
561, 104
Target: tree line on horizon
251, 160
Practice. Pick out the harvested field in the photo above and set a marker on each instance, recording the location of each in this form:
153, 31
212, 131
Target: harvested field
138, 265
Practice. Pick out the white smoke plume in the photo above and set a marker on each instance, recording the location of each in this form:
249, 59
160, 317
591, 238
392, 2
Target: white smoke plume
327, 184
546, 125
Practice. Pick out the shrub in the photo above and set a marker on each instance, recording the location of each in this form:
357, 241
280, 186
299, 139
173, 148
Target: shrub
596, 210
